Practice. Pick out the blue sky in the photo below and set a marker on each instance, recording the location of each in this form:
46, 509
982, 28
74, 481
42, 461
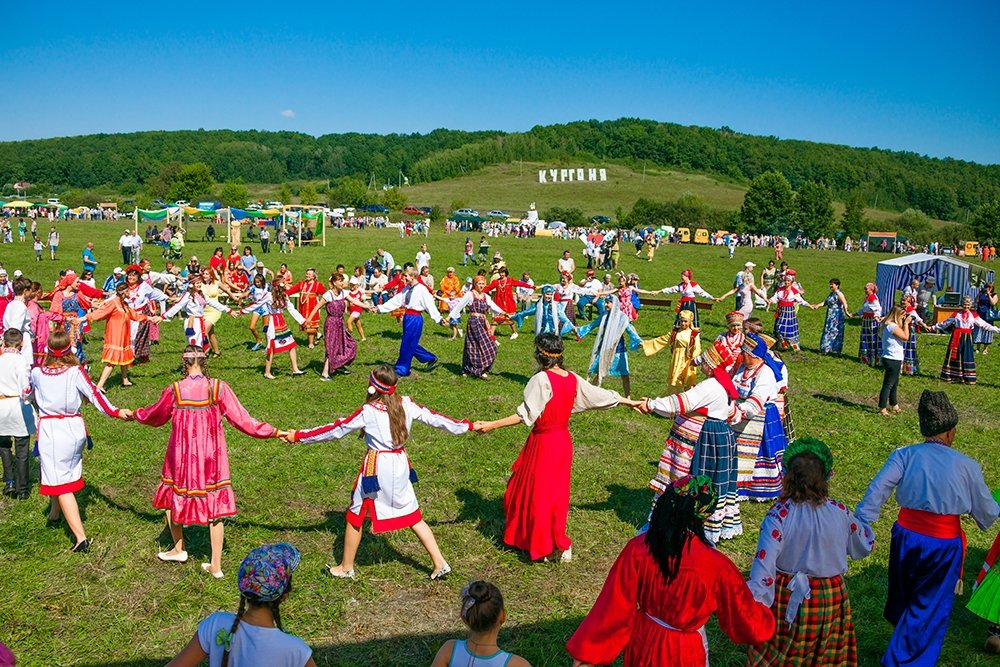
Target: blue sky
919, 76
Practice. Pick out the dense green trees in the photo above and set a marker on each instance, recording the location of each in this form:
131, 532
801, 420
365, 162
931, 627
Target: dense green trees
192, 182
234, 194
148, 161
854, 223
767, 206
812, 212
394, 199
986, 221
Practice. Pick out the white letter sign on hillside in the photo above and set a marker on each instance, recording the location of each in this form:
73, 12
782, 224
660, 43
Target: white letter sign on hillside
574, 174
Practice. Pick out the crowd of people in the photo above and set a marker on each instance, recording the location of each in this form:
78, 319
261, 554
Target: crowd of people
731, 439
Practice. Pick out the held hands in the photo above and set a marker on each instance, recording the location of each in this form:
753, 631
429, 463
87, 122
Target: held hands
641, 406
482, 427
125, 414
234, 314
287, 436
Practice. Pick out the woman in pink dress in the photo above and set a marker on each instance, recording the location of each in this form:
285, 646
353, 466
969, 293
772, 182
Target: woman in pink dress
195, 488
537, 499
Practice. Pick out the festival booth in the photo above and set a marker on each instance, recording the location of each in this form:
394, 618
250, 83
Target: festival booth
877, 239
956, 278
306, 216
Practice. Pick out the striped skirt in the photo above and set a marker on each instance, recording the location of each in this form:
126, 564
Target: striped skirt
786, 327
870, 348
960, 364
911, 364
279, 336
760, 446
700, 446
786, 415
823, 632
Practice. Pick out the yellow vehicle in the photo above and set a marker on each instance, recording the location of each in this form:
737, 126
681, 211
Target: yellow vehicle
685, 234
971, 248
701, 236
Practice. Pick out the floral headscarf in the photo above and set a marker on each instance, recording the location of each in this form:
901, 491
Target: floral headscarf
266, 572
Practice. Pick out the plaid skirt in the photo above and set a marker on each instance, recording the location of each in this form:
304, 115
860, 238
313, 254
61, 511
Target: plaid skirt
140, 342
822, 635
786, 326
960, 366
870, 348
700, 446
480, 347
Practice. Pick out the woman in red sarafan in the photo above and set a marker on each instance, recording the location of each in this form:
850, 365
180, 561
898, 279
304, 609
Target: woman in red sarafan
309, 291
664, 587
502, 290
536, 502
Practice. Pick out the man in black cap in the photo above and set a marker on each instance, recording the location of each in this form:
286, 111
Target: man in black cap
934, 485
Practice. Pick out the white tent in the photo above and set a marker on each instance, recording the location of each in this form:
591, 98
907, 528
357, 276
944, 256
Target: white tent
955, 275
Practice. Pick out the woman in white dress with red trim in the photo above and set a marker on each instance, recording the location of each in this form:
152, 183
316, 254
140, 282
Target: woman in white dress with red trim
60, 386
279, 336
193, 304
383, 490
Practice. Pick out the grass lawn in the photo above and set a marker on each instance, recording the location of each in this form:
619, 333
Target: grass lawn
120, 606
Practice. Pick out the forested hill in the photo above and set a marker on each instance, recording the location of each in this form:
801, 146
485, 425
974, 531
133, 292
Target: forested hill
942, 188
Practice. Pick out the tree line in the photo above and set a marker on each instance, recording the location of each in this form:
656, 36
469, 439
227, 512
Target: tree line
143, 162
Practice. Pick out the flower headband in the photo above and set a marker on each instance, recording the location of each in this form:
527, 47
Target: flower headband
808, 445
701, 490
375, 386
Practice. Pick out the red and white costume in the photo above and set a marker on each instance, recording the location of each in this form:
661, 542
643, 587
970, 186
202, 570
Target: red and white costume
309, 292
59, 392
389, 501
279, 336
503, 294
194, 306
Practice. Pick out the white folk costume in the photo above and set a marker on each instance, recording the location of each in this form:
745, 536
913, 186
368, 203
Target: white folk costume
760, 434
383, 490
279, 337
62, 435
195, 328
798, 571
786, 319
935, 485
16, 316
688, 291
701, 442
146, 299
960, 361
870, 347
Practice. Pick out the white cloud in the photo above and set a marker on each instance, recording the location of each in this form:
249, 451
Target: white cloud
288, 113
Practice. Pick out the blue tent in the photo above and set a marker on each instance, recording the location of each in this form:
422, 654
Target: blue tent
953, 274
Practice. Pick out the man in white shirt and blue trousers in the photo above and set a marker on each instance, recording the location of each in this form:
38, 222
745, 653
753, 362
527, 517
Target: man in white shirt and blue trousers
415, 299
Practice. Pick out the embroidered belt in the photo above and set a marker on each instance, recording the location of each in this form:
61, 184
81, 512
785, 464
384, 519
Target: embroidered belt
410, 311
956, 337
868, 316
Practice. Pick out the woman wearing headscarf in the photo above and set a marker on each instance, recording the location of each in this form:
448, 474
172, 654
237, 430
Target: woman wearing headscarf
960, 361
870, 348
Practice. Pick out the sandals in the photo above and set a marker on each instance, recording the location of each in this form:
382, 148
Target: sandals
328, 571
208, 568
441, 573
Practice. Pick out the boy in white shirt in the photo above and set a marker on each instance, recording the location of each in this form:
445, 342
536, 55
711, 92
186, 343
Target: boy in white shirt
17, 421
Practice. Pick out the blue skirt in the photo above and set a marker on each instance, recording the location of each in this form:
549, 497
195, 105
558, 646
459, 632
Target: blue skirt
870, 348
960, 365
786, 326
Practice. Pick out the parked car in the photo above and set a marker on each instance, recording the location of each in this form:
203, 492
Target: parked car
54, 201
426, 210
413, 210
181, 202
254, 207
273, 204
467, 211
373, 208
497, 213
601, 219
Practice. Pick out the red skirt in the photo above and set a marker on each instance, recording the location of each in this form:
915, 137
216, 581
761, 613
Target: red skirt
536, 502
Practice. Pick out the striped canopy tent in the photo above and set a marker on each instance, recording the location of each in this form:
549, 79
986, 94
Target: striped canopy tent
948, 274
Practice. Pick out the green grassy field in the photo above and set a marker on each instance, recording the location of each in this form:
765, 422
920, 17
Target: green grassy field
511, 187
119, 606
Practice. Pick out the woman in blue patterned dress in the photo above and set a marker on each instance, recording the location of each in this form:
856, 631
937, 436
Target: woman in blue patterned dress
832, 340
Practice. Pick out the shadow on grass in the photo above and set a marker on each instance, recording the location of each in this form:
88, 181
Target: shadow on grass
485, 513
514, 377
630, 505
840, 400
541, 643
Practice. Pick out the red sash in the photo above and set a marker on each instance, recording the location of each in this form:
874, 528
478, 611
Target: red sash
956, 336
940, 526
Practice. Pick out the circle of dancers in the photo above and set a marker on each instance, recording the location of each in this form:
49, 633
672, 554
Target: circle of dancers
731, 439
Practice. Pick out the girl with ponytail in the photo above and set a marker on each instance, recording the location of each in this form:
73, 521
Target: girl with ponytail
483, 612
254, 635
383, 491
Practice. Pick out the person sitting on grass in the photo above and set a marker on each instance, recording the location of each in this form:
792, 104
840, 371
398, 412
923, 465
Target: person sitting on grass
253, 635
483, 612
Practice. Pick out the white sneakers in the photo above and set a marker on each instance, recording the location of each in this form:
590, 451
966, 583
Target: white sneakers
513, 336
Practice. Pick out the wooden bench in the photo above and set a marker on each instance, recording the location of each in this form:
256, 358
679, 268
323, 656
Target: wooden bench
660, 301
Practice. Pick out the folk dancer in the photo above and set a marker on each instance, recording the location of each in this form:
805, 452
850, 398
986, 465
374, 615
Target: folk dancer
383, 489
59, 387
536, 503
415, 300
550, 315
832, 339
309, 291
786, 319
117, 348
685, 345
760, 436
142, 298
960, 360
688, 289
480, 350
609, 356
279, 336
502, 291
192, 303
701, 441
664, 587
805, 541
870, 347
195, 487
935, 485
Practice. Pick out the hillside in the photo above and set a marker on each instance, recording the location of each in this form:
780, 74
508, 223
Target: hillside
135, 163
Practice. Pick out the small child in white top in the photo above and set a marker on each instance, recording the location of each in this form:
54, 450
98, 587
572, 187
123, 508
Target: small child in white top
253, 636
454, 314
483, 612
